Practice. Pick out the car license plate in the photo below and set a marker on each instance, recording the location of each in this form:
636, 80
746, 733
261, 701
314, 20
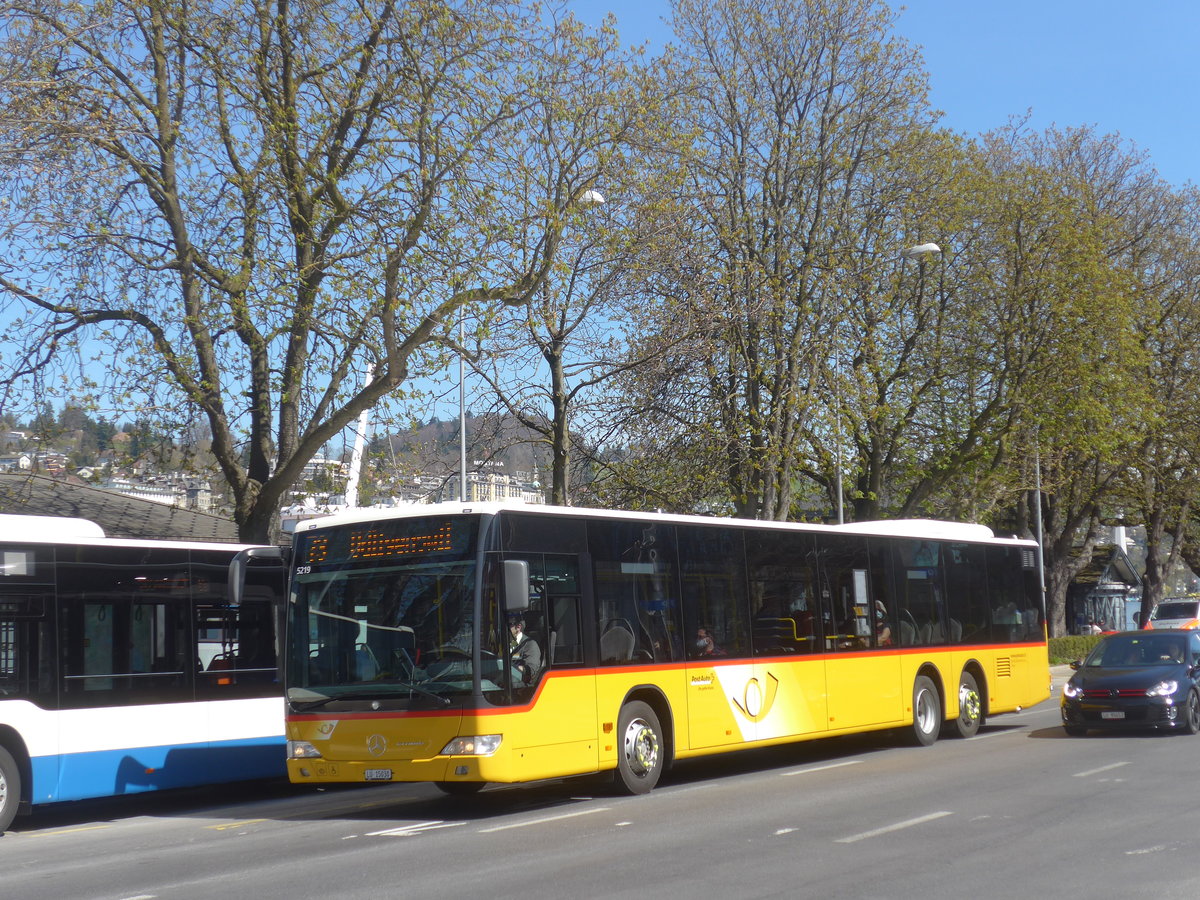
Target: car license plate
377, 774
1112, 714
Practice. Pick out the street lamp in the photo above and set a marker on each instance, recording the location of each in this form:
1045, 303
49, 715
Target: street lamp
918, 252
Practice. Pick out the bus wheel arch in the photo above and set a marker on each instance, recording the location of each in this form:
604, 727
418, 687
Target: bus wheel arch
644, 741
928, 709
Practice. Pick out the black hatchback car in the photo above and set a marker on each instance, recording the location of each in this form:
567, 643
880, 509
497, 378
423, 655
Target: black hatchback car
1136, 679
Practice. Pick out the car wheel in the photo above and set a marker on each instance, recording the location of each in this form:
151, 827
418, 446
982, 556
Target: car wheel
10, 789
640, 755
1191, 713
927, 712
970, 708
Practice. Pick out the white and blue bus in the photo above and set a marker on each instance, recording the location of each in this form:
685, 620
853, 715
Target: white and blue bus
132, 665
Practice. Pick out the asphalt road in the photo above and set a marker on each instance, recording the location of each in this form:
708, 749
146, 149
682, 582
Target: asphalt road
1019, 810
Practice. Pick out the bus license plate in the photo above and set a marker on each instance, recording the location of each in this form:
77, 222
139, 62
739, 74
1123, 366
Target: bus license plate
377, 774
1112, 715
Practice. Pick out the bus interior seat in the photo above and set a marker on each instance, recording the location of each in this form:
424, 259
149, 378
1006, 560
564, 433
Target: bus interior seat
617, 641
908, 634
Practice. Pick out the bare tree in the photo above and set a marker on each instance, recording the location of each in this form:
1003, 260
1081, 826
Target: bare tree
245, 207
791, 103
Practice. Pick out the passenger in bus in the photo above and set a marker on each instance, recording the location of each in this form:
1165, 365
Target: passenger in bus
705, 645
883, 631
526, 654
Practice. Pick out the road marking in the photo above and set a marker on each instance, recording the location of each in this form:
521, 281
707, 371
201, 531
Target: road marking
227, 825
888, 829
837, 765
992, 734
780, 831
542, 821
1099, 770
71, 830
414, 829
1159, 848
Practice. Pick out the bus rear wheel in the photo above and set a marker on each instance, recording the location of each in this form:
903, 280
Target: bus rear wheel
927, 712
10, 789
640, 756
970, 708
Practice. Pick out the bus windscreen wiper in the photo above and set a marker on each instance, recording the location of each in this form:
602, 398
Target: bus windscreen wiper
373, 695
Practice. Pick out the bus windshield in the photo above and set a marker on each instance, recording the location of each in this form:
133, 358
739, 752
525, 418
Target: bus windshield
383, 612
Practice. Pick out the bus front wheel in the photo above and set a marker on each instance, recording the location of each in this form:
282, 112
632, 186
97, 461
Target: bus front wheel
10, 789
927, 712
640, 756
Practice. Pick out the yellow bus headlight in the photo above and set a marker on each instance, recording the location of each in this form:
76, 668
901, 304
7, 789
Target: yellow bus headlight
302, 750
474, 745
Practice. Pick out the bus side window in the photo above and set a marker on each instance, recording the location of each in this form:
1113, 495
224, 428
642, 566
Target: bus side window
713, 563
564, 644
637, 591
125, 626
847, 613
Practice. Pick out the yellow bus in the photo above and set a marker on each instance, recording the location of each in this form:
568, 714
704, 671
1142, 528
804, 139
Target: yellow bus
462, 644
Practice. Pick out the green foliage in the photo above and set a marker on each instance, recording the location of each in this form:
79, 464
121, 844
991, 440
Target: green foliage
1071, 647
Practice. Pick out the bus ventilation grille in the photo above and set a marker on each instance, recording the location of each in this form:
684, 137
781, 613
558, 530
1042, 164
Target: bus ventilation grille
1003, 667
1028, 559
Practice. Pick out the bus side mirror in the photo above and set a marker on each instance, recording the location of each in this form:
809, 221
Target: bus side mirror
237, 569
516, 585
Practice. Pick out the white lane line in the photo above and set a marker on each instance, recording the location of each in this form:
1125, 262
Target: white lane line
888, 829
837, 765
542, 821
992, 734
1099, 770
414, 829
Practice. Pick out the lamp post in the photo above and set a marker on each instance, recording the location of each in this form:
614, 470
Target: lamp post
918, 252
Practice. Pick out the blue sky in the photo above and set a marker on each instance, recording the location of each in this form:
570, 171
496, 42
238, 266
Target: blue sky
1125, 68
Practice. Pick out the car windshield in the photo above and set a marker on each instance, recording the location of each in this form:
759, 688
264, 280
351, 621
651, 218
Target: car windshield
1137, 650
1177, 609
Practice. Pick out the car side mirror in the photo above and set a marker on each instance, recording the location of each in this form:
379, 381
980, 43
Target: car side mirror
1075, 664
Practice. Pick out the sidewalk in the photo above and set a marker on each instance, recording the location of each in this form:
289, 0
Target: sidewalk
1059, 676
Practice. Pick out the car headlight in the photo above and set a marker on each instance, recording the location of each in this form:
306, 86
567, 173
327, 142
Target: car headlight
1163, 689
1070, 690
473, 745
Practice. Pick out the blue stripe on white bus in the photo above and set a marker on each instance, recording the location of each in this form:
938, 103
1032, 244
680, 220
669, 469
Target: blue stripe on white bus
101, 773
